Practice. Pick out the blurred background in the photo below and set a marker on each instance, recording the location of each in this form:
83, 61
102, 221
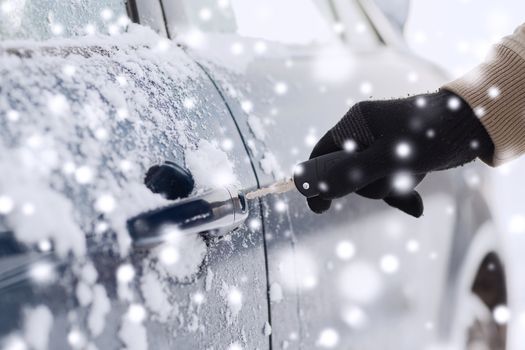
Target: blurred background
456, 35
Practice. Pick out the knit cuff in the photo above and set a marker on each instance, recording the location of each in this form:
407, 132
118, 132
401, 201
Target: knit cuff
495, 90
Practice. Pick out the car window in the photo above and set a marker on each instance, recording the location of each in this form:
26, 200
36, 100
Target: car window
43, 19
296, 22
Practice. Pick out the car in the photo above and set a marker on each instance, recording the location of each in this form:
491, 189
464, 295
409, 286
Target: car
113, 111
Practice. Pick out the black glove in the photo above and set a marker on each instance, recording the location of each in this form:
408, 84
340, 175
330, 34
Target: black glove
393, 144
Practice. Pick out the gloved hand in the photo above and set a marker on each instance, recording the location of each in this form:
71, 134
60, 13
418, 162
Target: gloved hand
393, 144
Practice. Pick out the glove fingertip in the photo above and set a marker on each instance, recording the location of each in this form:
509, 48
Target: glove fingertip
318, 205
410, 203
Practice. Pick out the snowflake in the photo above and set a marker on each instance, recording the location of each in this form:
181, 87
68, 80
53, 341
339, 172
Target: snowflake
13, 115
281, 88
194, 38
227, 144
90, 29
125, 165
260, 47
517, 224
57, 29
350, 146
34, 141
28, 209
281, 206
189, 103
105, 203
169, 255
237, 49
101, 227
339, 27
412, 77
223, 3
501, 314
6, 205
354, 316
360, 27
106, 14
113, 29
42, 272
125, 273
472, 178
198, 298
389, 264
136, 313
58, 104
234, 297
311, 139
14, 342
403, 150
421, 102
205, 14
163, 45
101, 134
345, 250
44, 245
247, 106
453, 103
254, 224
235, 346
403, 182
121, 80
366, 88
479, 112
493, 92
364, 275
6, 7
431, 133
123, 21
69, 70
412, 246
76, 339
298, 270
68, 168
328, 338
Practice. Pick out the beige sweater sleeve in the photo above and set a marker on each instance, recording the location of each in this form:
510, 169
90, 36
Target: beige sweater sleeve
495, 90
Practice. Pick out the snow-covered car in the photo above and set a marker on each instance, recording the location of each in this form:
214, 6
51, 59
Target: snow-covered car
236, 93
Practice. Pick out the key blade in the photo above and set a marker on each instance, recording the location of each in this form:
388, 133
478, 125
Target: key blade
277, 187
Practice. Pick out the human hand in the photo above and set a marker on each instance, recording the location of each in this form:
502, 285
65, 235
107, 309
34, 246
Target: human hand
392, 144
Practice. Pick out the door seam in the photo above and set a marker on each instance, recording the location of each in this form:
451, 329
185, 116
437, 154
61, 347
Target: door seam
261, 212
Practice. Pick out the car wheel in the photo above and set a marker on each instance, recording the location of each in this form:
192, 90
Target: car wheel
488, 329
474, 312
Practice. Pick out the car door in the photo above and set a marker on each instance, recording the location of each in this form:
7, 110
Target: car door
83, 121
355, 274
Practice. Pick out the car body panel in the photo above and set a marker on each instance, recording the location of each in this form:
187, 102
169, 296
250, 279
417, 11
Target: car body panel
317, 95
138, 101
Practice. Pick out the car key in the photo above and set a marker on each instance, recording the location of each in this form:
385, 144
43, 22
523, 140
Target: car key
306, 177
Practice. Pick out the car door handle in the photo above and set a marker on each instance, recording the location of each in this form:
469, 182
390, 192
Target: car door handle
214, 212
